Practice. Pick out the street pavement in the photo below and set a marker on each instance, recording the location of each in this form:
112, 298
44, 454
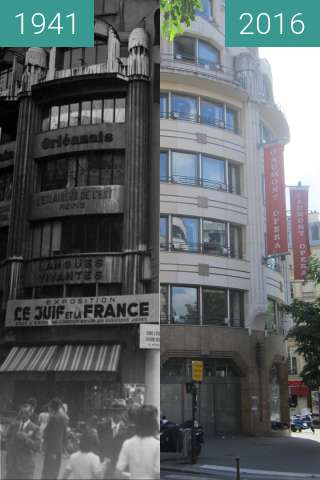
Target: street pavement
295, 457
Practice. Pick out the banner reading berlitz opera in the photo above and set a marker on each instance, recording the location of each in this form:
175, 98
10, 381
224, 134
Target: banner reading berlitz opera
300, 230
277, 236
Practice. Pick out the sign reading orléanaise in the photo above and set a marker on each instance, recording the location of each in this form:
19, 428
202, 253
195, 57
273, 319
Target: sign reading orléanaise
83, 311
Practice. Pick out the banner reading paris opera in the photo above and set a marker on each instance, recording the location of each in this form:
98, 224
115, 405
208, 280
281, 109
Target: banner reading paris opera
277, 236
300, 230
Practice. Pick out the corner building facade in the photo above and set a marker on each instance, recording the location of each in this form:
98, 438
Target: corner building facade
76, 172
220, 294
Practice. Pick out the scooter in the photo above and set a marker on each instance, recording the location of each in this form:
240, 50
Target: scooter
171, 437
301, 422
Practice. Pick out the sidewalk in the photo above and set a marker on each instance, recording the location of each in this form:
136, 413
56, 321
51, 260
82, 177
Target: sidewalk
299, 453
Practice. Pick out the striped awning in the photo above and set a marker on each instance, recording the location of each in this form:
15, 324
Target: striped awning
31, 359
67, 358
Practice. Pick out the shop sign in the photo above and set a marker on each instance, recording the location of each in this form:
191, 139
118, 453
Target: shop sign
300, 230
81, 200
277, 237
66, 140
131, 309
197, 370
150, 336
74, 270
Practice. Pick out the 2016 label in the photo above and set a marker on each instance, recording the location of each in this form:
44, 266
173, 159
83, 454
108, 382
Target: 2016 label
264, 23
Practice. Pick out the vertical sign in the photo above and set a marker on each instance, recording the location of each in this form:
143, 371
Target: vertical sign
300, 230
277, 236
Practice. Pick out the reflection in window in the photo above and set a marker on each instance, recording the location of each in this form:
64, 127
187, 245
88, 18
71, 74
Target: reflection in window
163, 233
185, 233
184, 107
184, 167
184, 305
215, 237
206, 10
212, 113
213, 172
164, 105
236, 308
231, 120
208, 56
164, 303
185, 48
214, 306
164, 167
197, 51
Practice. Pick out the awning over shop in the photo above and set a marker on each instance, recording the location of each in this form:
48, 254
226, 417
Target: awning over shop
67, 358
297, 387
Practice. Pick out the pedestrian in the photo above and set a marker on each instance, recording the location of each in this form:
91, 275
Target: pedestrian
43, 420
23, 441
32, 401
54, 441
85, 464
140, 454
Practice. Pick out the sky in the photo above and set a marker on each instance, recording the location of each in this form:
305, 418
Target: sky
296, 86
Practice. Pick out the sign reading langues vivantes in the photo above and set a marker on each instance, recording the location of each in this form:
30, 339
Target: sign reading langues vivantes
277, 236
300, 230
83, 311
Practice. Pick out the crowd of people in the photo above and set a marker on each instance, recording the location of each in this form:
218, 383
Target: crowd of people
124, 444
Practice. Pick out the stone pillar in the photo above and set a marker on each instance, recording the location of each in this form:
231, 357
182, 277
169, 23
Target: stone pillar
23, 180
136, 165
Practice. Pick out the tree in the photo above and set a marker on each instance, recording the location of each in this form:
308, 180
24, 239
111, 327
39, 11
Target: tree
306, 330
175, 14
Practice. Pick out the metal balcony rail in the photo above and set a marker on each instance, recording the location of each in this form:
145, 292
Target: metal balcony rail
199, 182
200, 66
202, 119
206, 248
216, 321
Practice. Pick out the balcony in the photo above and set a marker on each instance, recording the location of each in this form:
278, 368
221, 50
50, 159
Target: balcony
201, 119
209, 71
217, 321
200, 182
202, 248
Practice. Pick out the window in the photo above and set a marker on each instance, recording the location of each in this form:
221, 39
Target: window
196, 51
231, 120
164, 303
208, 56
109, 289
46, 239
184, 305
185, 233
83, 290
164, 167
315, 232
184, 167
236, 308
4, 232
184, 107
94, 168
185, 48
6, 179
212, 113
234, 179
215, 237
88, 112
213, 172
49, 291
164, 105
163, 233
214, 306
294, 366
206, 10
77, 57
235, 241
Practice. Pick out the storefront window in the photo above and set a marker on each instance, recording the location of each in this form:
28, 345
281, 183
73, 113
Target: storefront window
215, 237
163, 166
213, 172
212, 113
236, 308
214, 306
163, 233
184, 167
6, 178
185, 233
185, 49
184, 108
184, 305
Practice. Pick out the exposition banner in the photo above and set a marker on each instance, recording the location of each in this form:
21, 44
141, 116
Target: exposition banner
133, 309
277, 236
300, 230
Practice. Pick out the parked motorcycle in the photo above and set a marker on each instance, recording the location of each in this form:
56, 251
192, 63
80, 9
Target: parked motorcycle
301, 422
172, 435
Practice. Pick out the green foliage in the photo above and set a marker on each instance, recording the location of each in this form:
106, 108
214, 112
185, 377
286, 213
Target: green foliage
175, 14
306, 330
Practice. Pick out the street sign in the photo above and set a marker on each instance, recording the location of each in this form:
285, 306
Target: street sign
197, 370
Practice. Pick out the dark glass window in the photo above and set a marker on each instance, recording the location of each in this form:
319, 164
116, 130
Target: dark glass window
109, 289
185, 49
215, 237
49, 291
45, 119
83, 290
6, 178
212, 113
214, 306
163, 233
184, 167
164, 166
184, 108
46, 239
4, 232
53, 174
185, 233
213, 172
184, 305
236, 308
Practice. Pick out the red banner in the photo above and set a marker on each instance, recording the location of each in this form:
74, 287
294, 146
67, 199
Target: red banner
300, 230
277, 235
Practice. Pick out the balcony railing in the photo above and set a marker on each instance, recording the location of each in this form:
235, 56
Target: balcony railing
216, 321
202, 119
205, 248
210, 70
200, 182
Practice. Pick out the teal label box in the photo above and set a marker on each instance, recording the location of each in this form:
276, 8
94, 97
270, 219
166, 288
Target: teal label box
47, 23
272, 23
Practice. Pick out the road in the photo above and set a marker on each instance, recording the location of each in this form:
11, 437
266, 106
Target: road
175, 475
